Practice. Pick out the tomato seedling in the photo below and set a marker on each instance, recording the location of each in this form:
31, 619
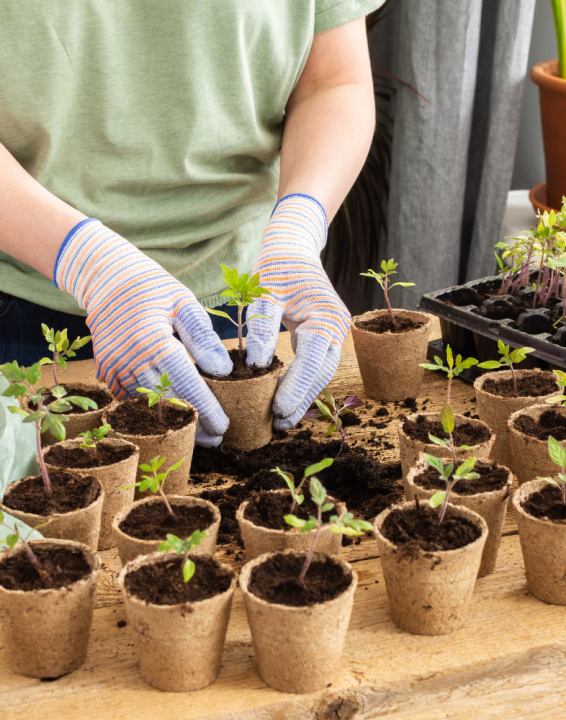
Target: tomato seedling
184, 547
383, 278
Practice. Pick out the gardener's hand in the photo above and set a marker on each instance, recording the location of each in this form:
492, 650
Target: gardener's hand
303, 299
133, 307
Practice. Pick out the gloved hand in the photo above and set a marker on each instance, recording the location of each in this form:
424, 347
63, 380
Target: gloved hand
133, 307
303, 299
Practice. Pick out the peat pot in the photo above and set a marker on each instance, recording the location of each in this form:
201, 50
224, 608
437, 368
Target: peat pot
530, 455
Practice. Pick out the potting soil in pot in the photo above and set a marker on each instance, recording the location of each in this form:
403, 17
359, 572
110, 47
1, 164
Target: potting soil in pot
383, 324
99, 395
546, 504
492, 477
152, 521
243, 371
464, 434
59, 567
135, 417
268, 510
277, 580
550, 423
68, 492
527, 386
162, 583
79, 458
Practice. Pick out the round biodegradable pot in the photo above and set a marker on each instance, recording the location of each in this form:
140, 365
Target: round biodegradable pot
491, 506
130, 547
259, 540
178, 647
495, 410
248, 405
81, 526
411, 449
543, 544
430, 593
46, 632
530, 455
112, 478
389, 362
174, 445
298, 649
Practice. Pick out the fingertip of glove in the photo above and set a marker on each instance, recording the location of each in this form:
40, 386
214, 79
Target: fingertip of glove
203, 439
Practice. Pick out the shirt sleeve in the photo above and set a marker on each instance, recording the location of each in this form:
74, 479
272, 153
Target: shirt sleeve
333, 13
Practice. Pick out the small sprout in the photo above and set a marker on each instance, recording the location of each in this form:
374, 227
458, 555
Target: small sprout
59, 346
184, 547
331, 413
296, 494
450, 477
454, 368
155, 481
15, 536
242, 291
92, 438
448, 424
561, 382
157, 395
557, 454
382, 278
508, 357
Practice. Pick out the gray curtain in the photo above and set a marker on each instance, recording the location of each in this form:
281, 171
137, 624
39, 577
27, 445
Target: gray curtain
453, 154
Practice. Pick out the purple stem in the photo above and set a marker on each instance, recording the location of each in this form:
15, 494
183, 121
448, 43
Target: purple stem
240, 342
387, 301
169, 508
41, 460
53, 367
159, 408
514, 379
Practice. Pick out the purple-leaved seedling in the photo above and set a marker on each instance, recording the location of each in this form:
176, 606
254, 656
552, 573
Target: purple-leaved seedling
157, 395
465, 471
330, 412
156, 480
383, 278
91, 438
296, 493
184, 547
508, 358
557, 454
60, 347
452, 368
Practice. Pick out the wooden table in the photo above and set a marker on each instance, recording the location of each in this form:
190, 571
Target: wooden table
508, 661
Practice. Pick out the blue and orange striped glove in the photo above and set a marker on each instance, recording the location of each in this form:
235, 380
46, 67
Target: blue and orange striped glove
303, 299
133, 307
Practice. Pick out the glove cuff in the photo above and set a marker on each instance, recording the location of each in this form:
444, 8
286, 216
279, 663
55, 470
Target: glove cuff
300, 215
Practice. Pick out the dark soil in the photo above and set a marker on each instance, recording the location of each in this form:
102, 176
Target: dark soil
529, 386
79, 458
277, 580
59, 567
243, 371
68, 492
493, 477
162, 583
546, 504
383, 324
268, 509
135, 417
350, 419
550, 422
464, 434
417, 528
152, 521
97, 394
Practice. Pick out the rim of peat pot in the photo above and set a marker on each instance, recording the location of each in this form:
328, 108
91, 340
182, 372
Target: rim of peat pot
421, 316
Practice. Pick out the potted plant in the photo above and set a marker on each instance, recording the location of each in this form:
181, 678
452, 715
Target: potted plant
178, 606
112, 461
299, 604
73, 501
331, 412
47, 599
390, 344
158, 425
540, 507
246, 395
141, 527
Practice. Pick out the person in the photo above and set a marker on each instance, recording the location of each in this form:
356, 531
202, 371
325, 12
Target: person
143, 144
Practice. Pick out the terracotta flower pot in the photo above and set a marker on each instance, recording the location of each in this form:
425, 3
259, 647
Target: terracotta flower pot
552, 92
298, 649
389, 362
259, 540
491, 506
112, 478
543, 544
495, 410
411, 449
430, 594
46, 632
179, 647
130, 547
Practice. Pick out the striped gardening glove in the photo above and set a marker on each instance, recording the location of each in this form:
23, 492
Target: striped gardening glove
303, 299
133, 307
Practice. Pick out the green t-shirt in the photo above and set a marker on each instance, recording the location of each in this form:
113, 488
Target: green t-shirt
162, 119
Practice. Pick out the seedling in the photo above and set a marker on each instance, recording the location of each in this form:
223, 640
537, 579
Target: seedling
59, 346
383, 278
157, 395
329, 411
508, 357
557, 454
184, 547
92, 438
156, 480
45, 417
454, 368
561, 382
15, 536
450, 477
296, 494
346, 525
242, 291
447, 422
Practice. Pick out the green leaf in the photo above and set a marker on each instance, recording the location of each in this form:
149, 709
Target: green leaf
188, 570
56, 426
317, 467
317, 490
447, 418
324, 410
332, 428
438, 441
176, 466
490, 365
468, 363
60, 406
145, 468
58, 391
327, 507
221, 313
11, 540
294, 521
550, 480
430, 366
556, 451
35, 416
437, 499
82, 402
176, 401
434, 462
17, 411
466, 467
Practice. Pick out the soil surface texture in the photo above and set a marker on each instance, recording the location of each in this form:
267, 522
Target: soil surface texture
550, 422
242, 371
492, 477
529, 386
546, 504
162, 583
383, 324
417, 529
79, 458
58, 567
135, 417
277, 580
267, 509
152, 521
68, 492
464, 434
96, 394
